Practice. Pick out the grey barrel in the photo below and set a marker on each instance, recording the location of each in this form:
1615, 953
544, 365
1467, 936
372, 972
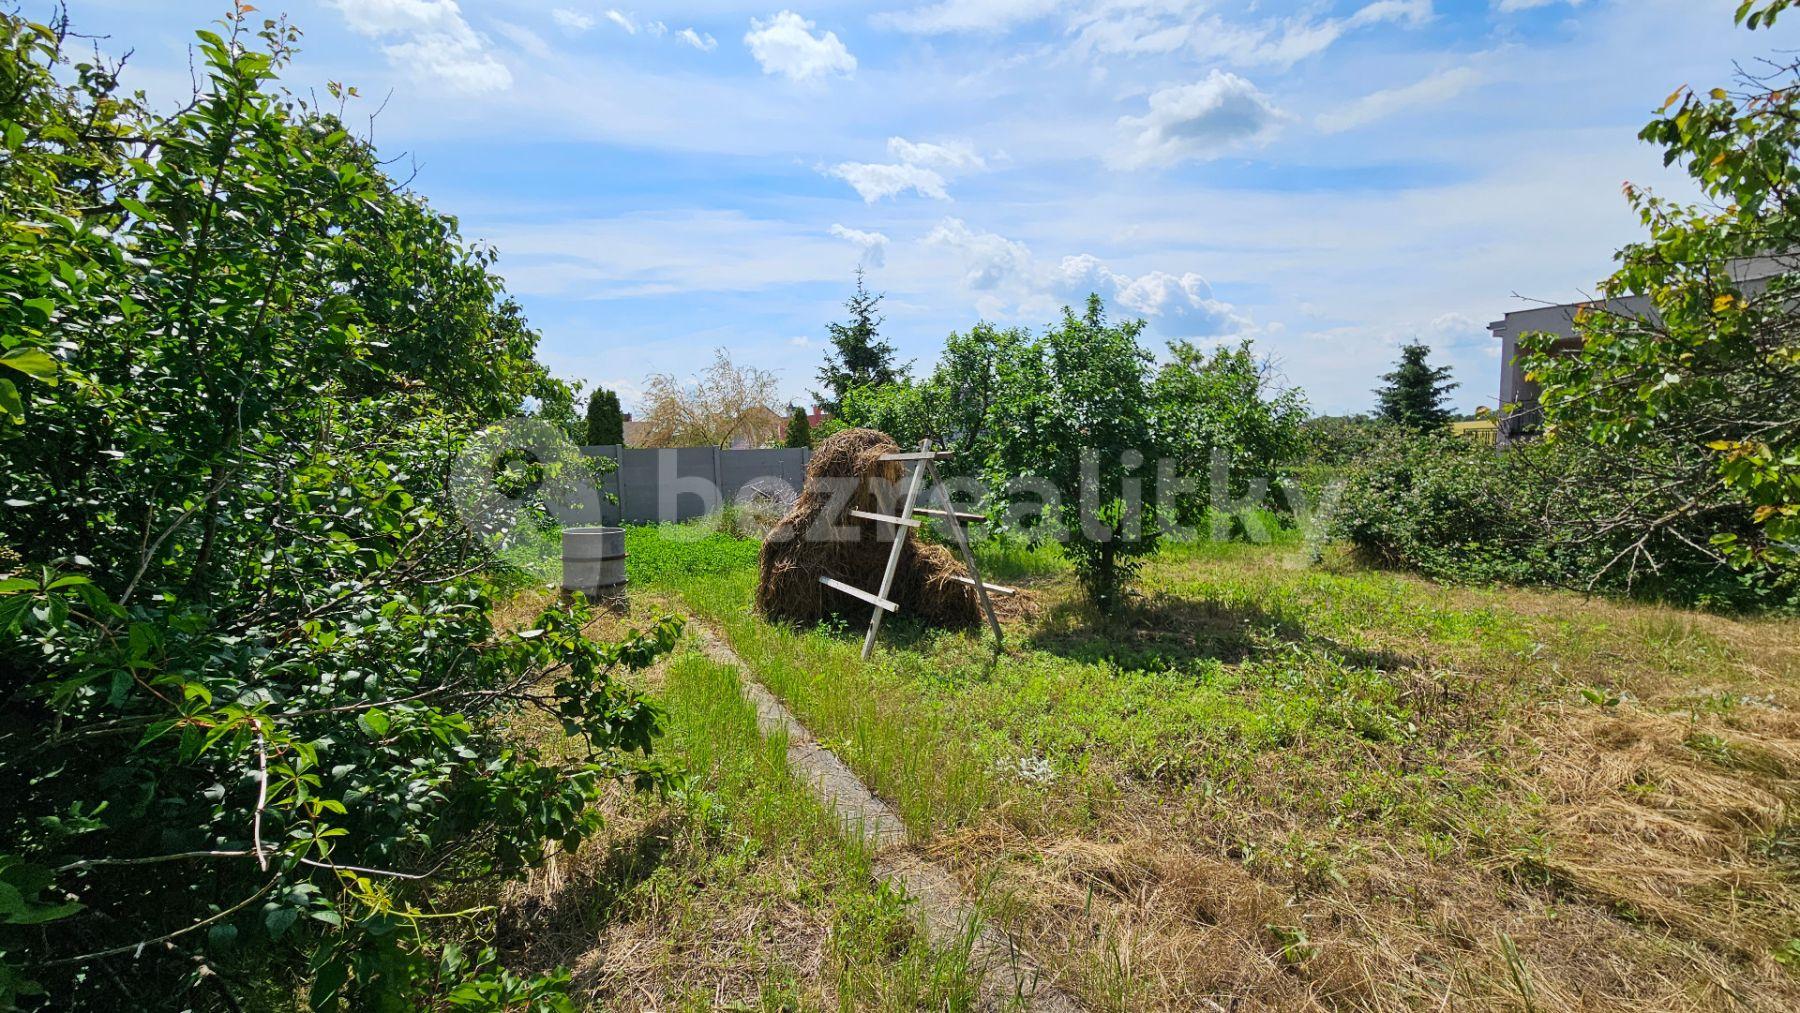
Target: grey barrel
593, 559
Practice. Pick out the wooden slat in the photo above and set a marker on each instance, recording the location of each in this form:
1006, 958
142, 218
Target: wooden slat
960, 515
919, 455
996, 588
857, 592
885, 519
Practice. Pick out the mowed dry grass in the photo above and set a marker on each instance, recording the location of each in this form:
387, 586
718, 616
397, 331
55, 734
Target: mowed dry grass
1592, 811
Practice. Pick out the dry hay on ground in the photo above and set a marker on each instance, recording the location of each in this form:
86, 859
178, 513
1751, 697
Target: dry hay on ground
797, 552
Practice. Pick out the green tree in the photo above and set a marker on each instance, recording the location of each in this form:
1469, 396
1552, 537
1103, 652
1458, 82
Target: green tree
799, 430
255, 701
900, 410
965, 388
1074, 411
1223, 409
1696, 404
1414, 393
605, 420
857, 357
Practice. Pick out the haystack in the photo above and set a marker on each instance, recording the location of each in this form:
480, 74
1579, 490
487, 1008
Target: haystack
796, 554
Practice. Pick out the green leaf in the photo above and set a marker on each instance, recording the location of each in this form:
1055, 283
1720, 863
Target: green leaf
10, 404
38, 914
279, 920
375, 721
33, 362
327, 981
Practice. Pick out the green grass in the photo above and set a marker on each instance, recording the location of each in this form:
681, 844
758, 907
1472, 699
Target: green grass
1335, 733
733, 884
1084, 707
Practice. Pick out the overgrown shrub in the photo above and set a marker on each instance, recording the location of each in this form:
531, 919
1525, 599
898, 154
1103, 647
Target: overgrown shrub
253, 699
1530, 514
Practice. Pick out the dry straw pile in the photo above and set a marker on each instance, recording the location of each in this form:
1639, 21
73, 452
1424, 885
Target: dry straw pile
800, 549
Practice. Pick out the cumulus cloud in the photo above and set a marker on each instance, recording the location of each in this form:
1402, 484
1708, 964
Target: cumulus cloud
785, 44
872, 244
922, 167
1180, 305
989, 260
574, 21
875, 180
1201, 120
1007, 278
431, 39
623, 20
699, 40
1439, 87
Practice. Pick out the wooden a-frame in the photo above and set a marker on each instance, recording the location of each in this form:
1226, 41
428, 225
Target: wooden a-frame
923, 460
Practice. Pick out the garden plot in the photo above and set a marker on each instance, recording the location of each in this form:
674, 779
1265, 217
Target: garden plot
1277, 786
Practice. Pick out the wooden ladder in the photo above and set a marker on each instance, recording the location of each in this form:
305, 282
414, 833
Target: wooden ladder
923, 460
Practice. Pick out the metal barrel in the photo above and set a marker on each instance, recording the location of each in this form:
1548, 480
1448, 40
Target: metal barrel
593, 559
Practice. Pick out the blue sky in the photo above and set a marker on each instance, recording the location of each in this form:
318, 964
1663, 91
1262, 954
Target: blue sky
1330, 178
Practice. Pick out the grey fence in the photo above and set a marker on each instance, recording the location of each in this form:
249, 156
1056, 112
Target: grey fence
650, 486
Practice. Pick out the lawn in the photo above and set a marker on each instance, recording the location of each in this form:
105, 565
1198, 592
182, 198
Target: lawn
1274, 785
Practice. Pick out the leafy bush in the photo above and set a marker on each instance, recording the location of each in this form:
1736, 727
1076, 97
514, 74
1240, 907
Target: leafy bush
1446, 508
1530, 514
1698, 391
254, 698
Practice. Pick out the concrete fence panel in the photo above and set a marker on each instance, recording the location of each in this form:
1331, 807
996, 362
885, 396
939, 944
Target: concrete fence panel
652, 486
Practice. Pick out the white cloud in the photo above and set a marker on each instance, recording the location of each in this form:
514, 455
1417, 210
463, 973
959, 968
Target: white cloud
967, 16
785, 45
1201, 120
431, 40
1180, 305
1412, 12
872, 244
989, 260
623, 20
574, 21
524, 38
922, 168
949, 155
1514, 6
1137, 27
703, 42
1009, 280
657, 254
800, 341
1440, 87
875, 180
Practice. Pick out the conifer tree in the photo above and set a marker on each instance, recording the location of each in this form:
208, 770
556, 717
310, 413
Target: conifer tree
605, 420
858, 357
799, 430
1415, 391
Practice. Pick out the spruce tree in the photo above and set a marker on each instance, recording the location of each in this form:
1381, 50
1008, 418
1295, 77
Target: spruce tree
858, 357
605, 420
799, 431
1415, 391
